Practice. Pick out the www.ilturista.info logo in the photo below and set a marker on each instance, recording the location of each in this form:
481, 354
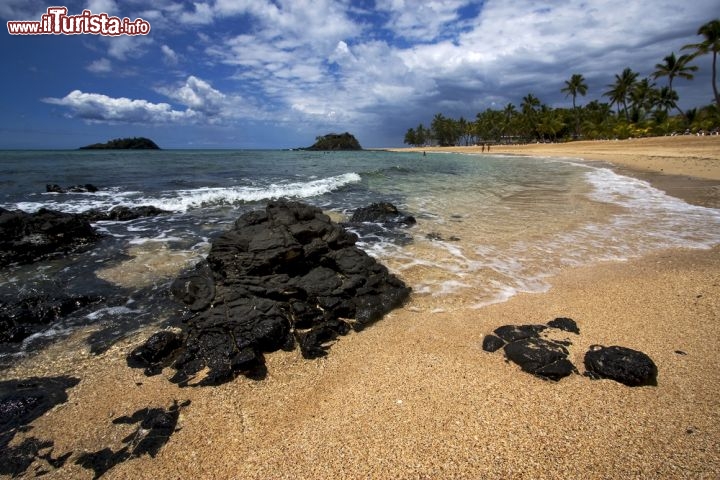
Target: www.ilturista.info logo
57, 22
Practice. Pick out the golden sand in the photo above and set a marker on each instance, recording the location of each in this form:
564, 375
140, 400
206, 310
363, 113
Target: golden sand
415, 396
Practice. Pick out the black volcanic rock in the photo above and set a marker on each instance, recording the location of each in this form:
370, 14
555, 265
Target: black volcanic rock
87, 188
27, 237
625, 365
524, 345
152, 354
123, 214
541, 357
529, 347
134, 143
280, 276
31, 314
335, 141
566, 324
491, 343
512, 333
383, 212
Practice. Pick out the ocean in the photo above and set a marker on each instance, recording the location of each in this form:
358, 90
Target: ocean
489, 226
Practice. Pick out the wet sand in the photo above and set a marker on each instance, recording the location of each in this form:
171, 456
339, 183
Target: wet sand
415, 396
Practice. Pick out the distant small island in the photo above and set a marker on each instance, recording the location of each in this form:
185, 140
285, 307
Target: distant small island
135, 143
336, 141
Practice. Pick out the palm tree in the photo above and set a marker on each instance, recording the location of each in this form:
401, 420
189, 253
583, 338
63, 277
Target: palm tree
620, 90
675, 67
529, 104
711, 44
643, 98
666, 99
509, 112
576, 85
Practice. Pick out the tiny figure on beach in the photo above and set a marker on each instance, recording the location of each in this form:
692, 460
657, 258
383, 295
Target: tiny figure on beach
424, 153
488, 148
483, 148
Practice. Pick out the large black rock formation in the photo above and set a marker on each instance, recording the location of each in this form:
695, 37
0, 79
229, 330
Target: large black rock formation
282, 275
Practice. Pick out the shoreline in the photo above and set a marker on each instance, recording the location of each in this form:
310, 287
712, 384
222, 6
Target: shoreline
686, 167
415, 396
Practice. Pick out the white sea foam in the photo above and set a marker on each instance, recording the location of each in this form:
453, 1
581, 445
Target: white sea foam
184, 200
110, 312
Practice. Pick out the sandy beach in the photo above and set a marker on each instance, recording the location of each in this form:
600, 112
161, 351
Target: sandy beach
415, 396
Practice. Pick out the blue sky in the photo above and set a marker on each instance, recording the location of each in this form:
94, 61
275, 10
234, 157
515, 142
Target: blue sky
275, 74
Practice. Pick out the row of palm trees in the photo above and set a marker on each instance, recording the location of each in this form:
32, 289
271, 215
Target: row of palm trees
641, 108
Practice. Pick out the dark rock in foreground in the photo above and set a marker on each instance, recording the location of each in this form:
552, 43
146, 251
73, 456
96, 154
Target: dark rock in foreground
134, 143
523, 345
541, 357
283, 275
335, 141
527, 346
624, 365
155, 350
491, 343
27, 237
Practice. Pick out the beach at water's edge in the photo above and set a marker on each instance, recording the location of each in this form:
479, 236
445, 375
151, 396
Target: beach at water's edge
415, 396
686, 166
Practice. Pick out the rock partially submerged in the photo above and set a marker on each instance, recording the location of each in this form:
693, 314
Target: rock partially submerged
283, 275
384, 213
123, 214
625, 365
30, 314
86, 188
27, 237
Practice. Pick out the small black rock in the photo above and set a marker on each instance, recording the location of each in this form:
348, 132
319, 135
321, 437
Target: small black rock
491, 343
629, 367
512, 333
565, 324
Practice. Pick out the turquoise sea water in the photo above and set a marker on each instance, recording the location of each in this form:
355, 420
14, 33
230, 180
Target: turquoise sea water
488, 226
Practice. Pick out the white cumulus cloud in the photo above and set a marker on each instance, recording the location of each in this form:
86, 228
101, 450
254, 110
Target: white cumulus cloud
102, 108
